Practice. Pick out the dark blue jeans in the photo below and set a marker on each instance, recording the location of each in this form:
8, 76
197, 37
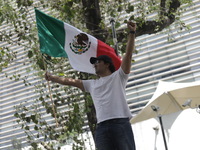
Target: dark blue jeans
114, 134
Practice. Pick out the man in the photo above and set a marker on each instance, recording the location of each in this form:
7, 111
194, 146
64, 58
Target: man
114, 130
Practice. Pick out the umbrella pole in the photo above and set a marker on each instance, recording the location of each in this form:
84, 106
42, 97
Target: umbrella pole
163, 133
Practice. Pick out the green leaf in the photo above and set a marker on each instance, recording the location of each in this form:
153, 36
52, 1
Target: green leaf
30, 54
120, 8
34, 145
36, 128
131, 8
132, 18
27, 128
33, 117
23, 115
16, 115
28, 119
41, 98
117, 24
61, 74
40, 63
76, 108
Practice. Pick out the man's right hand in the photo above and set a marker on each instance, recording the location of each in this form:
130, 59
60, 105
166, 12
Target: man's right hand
131, 26
47, 76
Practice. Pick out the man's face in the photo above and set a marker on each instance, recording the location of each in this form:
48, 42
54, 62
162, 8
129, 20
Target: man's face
100, 67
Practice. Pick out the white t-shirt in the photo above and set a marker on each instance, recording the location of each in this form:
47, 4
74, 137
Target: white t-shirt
108, 94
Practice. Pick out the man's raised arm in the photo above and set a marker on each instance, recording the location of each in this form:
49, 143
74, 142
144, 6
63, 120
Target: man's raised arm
127, 59
65, 81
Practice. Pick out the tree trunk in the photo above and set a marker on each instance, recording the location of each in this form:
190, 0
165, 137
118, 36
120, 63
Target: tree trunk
92, 18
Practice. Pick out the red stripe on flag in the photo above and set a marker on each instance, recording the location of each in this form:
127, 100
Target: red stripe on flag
104, 49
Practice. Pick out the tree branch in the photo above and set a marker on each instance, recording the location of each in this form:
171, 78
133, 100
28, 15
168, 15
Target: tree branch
162, 9
151, 27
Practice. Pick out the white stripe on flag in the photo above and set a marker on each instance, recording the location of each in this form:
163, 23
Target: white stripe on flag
79, 61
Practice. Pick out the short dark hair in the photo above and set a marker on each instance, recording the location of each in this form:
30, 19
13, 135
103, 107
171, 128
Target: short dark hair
106, 59
112, 67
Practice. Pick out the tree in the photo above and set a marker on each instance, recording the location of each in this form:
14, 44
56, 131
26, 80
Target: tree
91, 16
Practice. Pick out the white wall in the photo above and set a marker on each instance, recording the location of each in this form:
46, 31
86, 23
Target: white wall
182, 131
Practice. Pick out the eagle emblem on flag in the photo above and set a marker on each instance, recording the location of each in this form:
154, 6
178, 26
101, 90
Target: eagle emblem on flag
80, 44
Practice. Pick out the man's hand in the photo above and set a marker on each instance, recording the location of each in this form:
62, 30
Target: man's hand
131, 26
47, 76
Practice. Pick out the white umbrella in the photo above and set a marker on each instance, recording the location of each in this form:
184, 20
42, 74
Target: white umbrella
168, 98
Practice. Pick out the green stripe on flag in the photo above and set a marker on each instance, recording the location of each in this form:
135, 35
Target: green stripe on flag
51, 34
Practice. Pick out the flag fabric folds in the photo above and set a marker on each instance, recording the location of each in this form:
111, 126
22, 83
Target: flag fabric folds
59, 39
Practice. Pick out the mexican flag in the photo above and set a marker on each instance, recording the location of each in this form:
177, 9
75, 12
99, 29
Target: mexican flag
59, 39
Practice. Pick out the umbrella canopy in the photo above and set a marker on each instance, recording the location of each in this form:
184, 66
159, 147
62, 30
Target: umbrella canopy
170, 97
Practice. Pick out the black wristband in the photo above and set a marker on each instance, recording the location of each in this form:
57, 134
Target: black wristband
131, 32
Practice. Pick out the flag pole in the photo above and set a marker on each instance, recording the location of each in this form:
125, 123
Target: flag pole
50, 94
112, 21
